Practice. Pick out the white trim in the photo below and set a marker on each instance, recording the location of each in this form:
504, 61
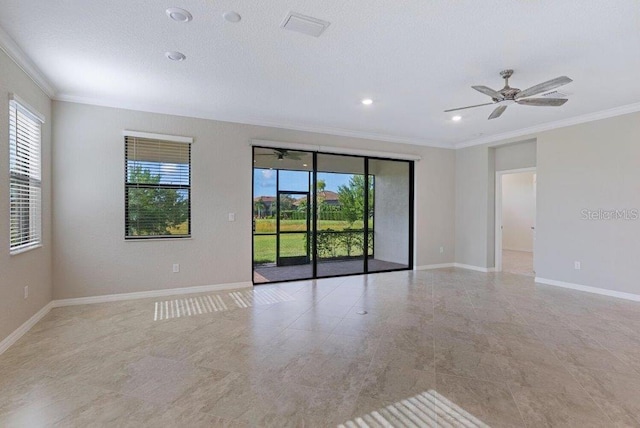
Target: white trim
497, 234
331, 149
589, 289
436, 266
148, 294
27, 108
24, 328
590, 117
247, 120
476, 268
520, 250
152, 136
17, 55
455, 265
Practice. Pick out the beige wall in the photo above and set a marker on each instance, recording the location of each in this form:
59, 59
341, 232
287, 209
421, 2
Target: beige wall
32, 268
91, 257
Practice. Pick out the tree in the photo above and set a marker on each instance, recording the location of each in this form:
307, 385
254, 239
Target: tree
154, 210
351, 199
260, 207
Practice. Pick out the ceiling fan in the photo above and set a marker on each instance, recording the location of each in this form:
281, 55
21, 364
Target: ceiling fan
509, 95
281, 154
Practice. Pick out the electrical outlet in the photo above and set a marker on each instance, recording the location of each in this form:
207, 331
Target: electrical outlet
576, 265
441, 250
26, 292
176, 267
232, 216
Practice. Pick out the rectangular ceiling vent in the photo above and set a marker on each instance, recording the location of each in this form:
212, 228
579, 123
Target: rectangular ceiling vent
304, 24
555, 94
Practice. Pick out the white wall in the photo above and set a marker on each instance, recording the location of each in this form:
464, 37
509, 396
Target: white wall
91, 256
518, 211
32, 268
594, 165
475, 196
591, 166
391, 210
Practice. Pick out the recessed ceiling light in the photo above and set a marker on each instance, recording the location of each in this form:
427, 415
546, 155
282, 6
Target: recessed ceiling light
456, 118
232, 16
179, 15
367, 101
304, 164
175, 56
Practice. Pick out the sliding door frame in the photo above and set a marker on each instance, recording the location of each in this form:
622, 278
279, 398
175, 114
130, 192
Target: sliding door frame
314, 219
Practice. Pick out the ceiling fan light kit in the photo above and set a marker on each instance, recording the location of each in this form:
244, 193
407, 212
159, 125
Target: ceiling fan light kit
509, 95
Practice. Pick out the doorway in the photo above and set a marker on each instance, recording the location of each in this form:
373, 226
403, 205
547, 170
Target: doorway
319, 215
516, 221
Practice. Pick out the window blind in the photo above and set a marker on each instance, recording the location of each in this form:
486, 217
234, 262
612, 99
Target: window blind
25, 186
157, 188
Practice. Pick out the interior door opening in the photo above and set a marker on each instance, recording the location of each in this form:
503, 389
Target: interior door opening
516, 221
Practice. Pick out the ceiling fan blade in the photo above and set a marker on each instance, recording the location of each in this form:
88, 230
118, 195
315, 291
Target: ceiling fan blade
544, 87
497, 112
462, 108
488, 91
293, 157
543, 102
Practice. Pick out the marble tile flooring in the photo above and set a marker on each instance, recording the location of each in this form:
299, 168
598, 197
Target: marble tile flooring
499, 349
518, 262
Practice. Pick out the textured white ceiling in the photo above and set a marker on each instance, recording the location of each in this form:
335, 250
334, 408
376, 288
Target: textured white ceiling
415, 58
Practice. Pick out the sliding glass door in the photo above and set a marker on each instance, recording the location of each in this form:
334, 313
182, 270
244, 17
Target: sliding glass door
340, 215
320, 215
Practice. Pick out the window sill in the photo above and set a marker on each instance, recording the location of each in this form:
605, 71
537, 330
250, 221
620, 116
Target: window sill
186, 238
24, 249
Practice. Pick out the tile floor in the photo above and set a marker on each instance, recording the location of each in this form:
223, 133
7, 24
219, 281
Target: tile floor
496, 347
518, 262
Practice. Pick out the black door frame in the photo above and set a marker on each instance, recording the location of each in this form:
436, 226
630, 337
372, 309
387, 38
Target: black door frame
314, 217
279, 232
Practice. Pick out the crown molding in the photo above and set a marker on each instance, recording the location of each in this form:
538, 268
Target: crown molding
247, 120
590, 117
10, 47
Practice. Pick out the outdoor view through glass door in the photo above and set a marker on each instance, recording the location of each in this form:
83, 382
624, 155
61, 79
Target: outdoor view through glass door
317, 215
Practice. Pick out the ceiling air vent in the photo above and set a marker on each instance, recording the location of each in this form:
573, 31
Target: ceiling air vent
304, 24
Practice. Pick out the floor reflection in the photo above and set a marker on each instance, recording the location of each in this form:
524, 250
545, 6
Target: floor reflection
428, 409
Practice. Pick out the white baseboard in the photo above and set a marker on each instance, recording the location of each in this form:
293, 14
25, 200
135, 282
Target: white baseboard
476, 268
148, 294
20, 331
457, 265
589, 289
436, 266
521, 250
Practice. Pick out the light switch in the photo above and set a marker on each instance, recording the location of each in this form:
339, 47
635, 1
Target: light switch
232, 216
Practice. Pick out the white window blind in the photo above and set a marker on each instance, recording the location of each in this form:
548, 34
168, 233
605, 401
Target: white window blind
25, 186
157, 188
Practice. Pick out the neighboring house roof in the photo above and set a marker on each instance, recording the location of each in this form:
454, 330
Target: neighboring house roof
265, 198
328, 195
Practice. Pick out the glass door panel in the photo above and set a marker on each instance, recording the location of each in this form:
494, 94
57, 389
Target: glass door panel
281, 215
389, 215
340, 201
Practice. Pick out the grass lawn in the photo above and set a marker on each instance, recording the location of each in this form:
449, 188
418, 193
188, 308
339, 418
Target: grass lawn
264, 246
264, 225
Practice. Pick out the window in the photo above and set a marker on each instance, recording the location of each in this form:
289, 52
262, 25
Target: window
25, 186
157, 188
